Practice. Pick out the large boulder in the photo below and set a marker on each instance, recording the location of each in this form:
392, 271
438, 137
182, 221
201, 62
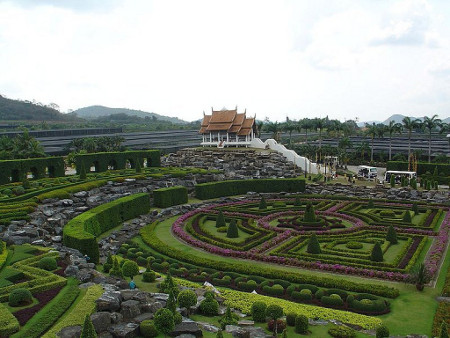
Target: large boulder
130, 309
101, 321
109, 301
124, 330
70, 332
186, 328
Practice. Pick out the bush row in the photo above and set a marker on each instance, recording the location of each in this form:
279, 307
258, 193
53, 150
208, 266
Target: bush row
238, 187
17, 169
81, 232
156, 244
422, 167
167, 197
8, 323
65, 192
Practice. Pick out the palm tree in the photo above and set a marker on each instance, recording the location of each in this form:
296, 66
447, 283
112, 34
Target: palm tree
259, 127
362, 148
344, 144
372, 131
445, 128
289, 126
430, 124
409, 124
274, 128
392, 129
305, 124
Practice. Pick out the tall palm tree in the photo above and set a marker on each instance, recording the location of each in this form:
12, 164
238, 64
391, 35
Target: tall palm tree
304, 124
430, 123
344, 144
372, 131
289, 127
275, 129
362, 148
259, 127
409, 124
445, 128
392, 129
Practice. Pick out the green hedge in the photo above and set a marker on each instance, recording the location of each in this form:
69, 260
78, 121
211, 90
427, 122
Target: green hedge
101, 161
17, 169
167, 197
422, 168
81, 232
239, 187
8, 323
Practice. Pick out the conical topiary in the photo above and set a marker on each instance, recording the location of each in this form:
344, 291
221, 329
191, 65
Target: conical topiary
407, 217
232, 231
310, 214
82, 171
171, 302
220, 220
313, 245
370, 204
262, 204
391, 235
88, 330
377, 254
116, 270
415, 208
138, 166
297, 202
219, 334
392, 181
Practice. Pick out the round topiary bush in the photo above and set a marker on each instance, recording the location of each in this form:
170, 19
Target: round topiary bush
290, 318
382, 332
209, 306
301, 324
354, 245
20, 297
148, 329
259, 312
149, 276
340, 331
48, 263
281, 325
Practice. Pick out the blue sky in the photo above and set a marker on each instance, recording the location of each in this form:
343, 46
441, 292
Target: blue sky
346, 59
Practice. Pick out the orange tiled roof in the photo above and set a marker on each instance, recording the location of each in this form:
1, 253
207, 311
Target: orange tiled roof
206, 119
227, 120
244, 131
248, 123
218, 127
239, 119
223, 116
234, 129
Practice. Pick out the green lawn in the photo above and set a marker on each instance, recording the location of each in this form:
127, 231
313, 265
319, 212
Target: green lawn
412, 307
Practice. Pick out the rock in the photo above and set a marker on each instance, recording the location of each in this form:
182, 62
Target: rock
246, 323
57, 239
186, 328
70, 332
109, 301
185, 336
124, 330
93, 201
142, 317
129, 294
116, 317
208, 327
81, 194
85, 275
66, 202
130, 309
101, 321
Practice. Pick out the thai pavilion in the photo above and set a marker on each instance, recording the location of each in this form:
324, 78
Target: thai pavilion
225, 128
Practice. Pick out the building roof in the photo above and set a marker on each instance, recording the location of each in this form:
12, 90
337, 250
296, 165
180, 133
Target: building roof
227, 121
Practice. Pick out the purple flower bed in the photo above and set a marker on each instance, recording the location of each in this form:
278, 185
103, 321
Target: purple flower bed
439, 245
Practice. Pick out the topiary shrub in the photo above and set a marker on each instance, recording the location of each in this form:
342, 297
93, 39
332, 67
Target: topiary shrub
392, 234
407, 217
149, 276
290, 318
209, 306
220, 220
187, 298
370, 204
222, 229
310, 214
415, 208
228, 319
354, 245
130, 269
281, 325
20, 297
88, 330
47, 263
382, 332
377, 254
108, 264
232, 231
164, 321
258, 311
148, 329
297, 202
262, 204
340, 331
301, 324
313, 245
274, 312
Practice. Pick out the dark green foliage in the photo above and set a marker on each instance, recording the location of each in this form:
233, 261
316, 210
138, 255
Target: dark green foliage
102, 160
219, 334
274, 312
80, 233
88, 330
415, 208
313, 245
259, 312
169, 285
392, 181
164, 321
130, 269
284, 334
19, 297
392, 235
220, 220
18, 169
370, 204
262, 204
310, 214
297, 202
108, 264
148, 329
301, 324
377, 254
444, 330
187, 298
232, 231
82, 171
149, 276
171, 302
47, 263
413, 183
116, 270
407, 217
209, 306
290, 318
167, 197
419, 275
382, 332
341, 331
422, 168
239, 187
228, 319
138, 166
428, 185
177, 318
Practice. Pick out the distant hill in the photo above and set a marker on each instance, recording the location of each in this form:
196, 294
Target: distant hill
398, 118
93, 112
25, 110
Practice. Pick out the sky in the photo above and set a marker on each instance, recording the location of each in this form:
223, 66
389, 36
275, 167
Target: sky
345, 59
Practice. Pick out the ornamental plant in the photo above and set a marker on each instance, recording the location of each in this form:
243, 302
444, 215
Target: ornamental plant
392, 235
262, 204
168, 284
171, 302
259, 312
301, 324
116, 270
415, 208
377, 254
130, 269
108, 264
187, 298
209, 306
220, 220
164, 322
407, 217
382, 332
297, 201
232, 231
148, 329
274, 312
444, 330
19, 297
88, 330
420, 276
138, 166
392, 181
219, 334
313, 245
370, 204
48, 263
310, 215
228, 319
82, 171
